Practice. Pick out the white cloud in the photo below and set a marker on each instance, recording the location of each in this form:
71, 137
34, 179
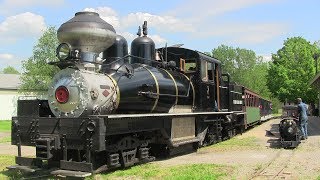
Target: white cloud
247, 33
212, 8
6, 57
135, 19
196, 25
210, 24
158, 40
128, 36
107, 14
266, 58
23, 25
162, 23
12, 6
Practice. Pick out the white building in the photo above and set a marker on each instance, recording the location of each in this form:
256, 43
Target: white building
9, 84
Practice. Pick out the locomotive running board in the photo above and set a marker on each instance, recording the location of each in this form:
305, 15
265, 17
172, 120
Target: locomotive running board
26, 169
26, 164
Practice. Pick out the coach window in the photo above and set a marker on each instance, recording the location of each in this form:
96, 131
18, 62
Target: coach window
204, 70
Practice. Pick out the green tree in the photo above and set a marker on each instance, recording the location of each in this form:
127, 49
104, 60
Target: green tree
292, 67
10, 70
37, 73
247, 69
244, 66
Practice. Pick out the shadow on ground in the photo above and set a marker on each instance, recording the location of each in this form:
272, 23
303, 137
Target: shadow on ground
274, 136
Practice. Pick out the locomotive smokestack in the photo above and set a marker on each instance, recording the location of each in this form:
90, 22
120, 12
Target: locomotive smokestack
87, 33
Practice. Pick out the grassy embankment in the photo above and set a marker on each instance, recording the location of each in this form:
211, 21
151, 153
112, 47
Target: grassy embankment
151, 171
5, 126
235, 143
191, 171
145, 171
6, 160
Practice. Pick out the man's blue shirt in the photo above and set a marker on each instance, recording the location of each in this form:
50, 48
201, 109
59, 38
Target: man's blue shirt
302, 109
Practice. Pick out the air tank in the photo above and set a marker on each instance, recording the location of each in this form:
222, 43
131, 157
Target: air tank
87, 32
143, 48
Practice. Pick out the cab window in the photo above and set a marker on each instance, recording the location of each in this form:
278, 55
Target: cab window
211, 71
204, 70
182, 65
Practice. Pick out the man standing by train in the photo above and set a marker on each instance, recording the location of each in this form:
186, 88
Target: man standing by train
303, 118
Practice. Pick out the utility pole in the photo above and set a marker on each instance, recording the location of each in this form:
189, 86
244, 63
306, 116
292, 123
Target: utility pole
315, 57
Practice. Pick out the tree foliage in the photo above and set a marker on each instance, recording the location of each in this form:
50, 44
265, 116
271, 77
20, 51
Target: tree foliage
10, 70
292, 67
37, 73
245, 67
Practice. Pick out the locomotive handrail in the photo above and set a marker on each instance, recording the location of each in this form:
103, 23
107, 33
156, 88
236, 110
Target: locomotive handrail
161, 114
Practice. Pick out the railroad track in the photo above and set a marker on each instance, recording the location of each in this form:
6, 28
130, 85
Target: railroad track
276, 168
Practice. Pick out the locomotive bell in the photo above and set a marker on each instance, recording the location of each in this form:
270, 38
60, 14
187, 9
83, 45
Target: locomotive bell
87, 32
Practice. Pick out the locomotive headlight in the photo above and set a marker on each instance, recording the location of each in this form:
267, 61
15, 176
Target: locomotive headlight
290, 130
62, 94
63, 51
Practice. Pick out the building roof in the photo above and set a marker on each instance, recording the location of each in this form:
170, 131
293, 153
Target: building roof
10, 81
315, 81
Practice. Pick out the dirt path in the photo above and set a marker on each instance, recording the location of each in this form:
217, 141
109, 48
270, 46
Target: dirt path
4, 134
8, 149
268, 160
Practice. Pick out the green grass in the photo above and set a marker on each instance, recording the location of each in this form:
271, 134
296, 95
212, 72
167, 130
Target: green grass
145, 171
5, 125
235, 143
5, 139
151, 171
276, 114
5, 161
248, 141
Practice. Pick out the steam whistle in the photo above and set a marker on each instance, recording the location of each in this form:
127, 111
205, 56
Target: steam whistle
139, 31
145, 28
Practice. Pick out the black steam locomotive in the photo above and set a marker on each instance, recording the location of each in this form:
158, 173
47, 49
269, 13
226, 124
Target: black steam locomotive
290, 134
120, 110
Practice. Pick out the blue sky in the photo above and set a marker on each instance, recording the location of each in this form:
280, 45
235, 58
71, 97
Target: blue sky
259, 25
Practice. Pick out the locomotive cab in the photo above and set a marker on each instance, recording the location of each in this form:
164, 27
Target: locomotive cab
205, 73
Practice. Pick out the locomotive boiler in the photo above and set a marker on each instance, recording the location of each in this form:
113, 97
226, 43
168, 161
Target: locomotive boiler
107, 108
124, 86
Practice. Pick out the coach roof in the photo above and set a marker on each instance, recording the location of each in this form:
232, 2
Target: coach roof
10, 81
